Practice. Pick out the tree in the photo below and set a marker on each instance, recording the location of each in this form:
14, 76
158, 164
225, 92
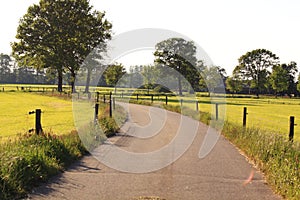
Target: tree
150, 75
59, 34
5, 65
234, 84
113, 74
92, 65
298, 85
254, 66
291, 70
279, 79
178, 54
214, 77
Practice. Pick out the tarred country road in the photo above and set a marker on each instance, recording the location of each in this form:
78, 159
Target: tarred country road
220, 175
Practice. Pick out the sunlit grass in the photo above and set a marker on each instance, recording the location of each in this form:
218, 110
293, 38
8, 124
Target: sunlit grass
57, 113
270, 114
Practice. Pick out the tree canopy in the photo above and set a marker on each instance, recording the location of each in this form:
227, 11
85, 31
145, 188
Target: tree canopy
179, 55
59, 34
254, 66
113, 74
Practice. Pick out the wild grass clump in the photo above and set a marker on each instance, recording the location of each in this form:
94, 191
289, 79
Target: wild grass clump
277, 157
111, 125
29, 160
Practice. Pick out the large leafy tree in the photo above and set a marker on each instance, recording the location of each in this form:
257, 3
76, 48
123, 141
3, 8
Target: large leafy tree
180, 55
254, 66
5, 65
150, 74
279, 79
214, 78
59, 34
113, 74
234, 84
291, 70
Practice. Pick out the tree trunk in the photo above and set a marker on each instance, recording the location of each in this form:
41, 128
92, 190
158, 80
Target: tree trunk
60, 80
73, 77
179, 85
88, 80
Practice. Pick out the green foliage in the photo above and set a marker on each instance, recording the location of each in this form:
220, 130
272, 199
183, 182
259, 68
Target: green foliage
234, 84
179, 55
254, 66
29, 160
213, 77
114, 73
279, 79
59, 34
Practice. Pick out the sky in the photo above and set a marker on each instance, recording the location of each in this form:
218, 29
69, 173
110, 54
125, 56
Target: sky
225, 29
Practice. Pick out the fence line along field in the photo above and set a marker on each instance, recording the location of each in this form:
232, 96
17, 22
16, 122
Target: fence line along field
267, 113
57, 115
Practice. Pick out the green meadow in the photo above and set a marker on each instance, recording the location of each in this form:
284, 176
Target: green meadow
266, 113
57, 115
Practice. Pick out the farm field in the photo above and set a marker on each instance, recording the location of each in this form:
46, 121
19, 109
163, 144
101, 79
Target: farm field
266, 113
57, 115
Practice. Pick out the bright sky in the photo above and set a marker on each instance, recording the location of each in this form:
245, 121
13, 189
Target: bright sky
225, 29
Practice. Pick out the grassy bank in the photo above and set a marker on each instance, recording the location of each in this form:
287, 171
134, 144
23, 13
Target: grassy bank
29, 160
273, 154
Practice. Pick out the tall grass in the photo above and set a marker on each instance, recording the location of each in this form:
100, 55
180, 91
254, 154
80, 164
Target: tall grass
29, 160
277, 157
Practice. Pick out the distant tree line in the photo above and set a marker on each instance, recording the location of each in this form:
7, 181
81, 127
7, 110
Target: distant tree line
260, 72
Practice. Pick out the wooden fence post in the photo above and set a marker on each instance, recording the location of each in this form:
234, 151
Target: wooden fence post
197, 106
137, 97
292, 128
96, 111
38, 125
104, 98
217, 111
97, 96
166, 100
151, 98
245, 117
110, 104
181, 101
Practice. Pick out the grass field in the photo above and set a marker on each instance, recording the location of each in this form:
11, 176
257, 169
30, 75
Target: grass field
57, 113
266, 113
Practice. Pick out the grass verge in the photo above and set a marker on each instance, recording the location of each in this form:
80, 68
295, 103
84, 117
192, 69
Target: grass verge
272, 154
29, 160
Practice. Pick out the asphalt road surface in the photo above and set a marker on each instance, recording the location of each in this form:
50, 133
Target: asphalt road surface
223, 174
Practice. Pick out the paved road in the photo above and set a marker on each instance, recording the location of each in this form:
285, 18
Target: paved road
220, 175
